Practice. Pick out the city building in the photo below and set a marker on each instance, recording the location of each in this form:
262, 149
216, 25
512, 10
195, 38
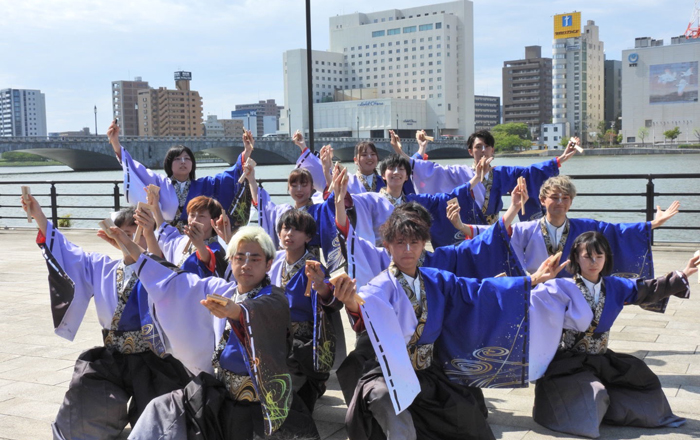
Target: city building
264, 108
577, 76
163, 112
22, 113
124, 104
613, 91
551, 135
258, 125
213, 128
230, 128
487, 112
660, 90
381, 64
527, 90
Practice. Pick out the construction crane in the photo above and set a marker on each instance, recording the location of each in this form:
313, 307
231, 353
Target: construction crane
693, 30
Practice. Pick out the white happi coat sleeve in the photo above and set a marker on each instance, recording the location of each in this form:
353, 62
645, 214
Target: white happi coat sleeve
310, 162
390, 322
93, 275
269, 214
554, 306
365, 260
431, 178
372, 210
187, 324
171, 242
137, 177
528, 244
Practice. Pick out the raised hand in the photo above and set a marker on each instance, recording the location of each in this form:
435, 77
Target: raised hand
113, 136
570, 150
453, 210
298, 139
222, 227
548, 270
346, 292
326, 155
422, 142
33, 208
692, 266
396, 144
231, 310
662, 216
248, 143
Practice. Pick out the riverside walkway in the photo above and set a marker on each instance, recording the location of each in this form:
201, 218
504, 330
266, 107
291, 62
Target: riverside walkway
36, 365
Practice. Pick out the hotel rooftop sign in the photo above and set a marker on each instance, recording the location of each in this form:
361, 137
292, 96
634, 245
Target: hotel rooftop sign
567, 25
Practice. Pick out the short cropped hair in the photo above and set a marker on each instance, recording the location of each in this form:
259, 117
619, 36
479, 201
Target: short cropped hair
300, 175
299, 220
485, 135
174, 152
394, 161
125, 217
364, 146
562, 184
594, 243
249, 234
406, 223
416, 209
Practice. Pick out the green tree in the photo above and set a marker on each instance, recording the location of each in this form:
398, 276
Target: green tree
672, 134
512, 136
696, 133
18, 156
564, 142
610, 136
643, 133
602, 129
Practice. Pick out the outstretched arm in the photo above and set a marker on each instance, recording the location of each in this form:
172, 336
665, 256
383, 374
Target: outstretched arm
249, 169
663, 216
692, 266
113, 136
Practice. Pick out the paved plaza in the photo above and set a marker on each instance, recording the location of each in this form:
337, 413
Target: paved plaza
36, 365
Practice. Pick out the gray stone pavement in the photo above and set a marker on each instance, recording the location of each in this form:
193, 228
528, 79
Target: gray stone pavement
36, 365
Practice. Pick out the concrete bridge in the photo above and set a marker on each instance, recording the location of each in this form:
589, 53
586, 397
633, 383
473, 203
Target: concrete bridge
94, 153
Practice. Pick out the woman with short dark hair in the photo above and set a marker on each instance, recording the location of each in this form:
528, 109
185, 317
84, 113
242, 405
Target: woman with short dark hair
587, 383
180, 186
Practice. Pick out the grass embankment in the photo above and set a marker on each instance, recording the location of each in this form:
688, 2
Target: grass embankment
37, 163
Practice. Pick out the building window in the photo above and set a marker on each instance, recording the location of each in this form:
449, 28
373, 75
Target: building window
393, 31
377, 34
425, 27
409, 29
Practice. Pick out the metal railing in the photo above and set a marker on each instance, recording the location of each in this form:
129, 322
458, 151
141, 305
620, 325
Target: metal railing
9, 198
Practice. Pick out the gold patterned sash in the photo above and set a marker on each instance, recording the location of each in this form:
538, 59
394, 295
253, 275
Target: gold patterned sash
421, 355
589, 341
551, 250
126, 342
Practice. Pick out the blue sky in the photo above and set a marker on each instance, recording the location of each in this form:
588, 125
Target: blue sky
73, 49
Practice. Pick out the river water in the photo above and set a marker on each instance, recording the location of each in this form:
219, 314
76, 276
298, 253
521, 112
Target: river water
579, 165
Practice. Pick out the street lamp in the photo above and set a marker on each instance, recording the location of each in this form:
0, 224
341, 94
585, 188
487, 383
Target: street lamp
358, 126
397, 123
289, 121
95, 120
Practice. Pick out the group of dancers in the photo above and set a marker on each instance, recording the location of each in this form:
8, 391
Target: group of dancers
215, 329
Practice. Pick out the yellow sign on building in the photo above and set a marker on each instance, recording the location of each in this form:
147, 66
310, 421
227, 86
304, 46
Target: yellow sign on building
567, 25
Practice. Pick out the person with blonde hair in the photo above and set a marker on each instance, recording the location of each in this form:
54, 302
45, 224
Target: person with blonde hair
245, 388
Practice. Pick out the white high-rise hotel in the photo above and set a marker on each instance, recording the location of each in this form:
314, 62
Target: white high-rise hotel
22, 113
402, 69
